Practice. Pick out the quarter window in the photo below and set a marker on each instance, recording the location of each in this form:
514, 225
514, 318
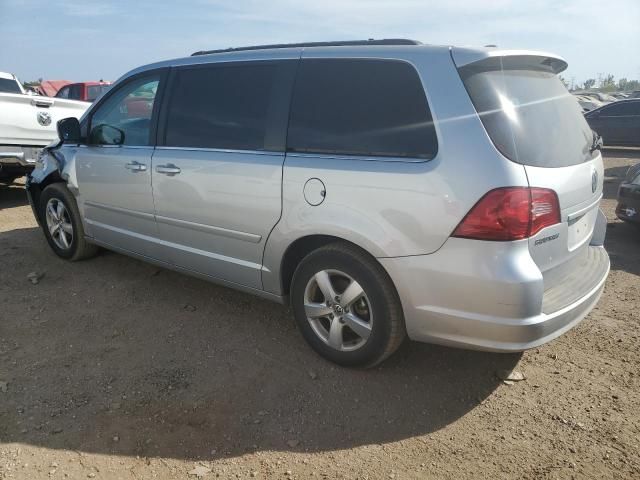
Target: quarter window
360, 107
129, 111
230, 106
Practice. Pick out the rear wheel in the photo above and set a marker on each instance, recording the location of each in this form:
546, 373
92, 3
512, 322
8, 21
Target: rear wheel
62, 225
346, 306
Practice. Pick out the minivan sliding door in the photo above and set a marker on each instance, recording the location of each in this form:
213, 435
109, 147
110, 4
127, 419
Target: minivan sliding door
217, 170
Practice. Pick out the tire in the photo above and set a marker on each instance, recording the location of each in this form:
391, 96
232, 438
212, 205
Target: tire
369, 329
77, 247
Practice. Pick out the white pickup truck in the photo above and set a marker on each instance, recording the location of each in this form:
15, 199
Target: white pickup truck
28, 123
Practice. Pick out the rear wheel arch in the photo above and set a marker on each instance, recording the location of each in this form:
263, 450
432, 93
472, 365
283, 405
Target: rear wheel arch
303, 246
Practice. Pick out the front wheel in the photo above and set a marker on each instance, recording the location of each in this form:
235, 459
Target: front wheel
62, 224
346, 306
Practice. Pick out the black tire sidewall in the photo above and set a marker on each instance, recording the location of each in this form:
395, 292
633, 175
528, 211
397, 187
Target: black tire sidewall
362, 273
66, 198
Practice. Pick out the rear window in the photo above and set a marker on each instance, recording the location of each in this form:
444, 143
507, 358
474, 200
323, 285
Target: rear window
527, 111
94, 91
360, 107
9, 86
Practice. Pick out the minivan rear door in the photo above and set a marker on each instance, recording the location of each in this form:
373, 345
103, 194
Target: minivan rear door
533, 120
217, 169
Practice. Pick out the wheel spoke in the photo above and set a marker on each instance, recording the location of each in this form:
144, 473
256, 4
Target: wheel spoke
360, 327
317, 310
335, 334
67, 227
352, 293
60, 211
52, 211
53, 228
324, 283
63, 239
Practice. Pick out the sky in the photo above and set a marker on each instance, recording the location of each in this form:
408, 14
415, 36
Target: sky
84, 40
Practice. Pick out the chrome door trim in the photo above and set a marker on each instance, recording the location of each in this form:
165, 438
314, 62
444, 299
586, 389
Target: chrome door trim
365, 158
221, 150
247, 237
133, 213
135, 147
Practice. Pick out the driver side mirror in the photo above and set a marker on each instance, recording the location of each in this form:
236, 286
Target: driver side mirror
69, 130
106, 135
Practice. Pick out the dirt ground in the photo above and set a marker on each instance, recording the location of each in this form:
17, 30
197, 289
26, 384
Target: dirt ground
112, 368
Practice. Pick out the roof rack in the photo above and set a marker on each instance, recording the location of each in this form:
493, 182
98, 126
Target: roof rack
346, 43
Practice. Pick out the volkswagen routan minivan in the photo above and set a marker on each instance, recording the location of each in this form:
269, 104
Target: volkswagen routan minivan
384, 189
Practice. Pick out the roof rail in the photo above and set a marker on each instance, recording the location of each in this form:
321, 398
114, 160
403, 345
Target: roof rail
346, 43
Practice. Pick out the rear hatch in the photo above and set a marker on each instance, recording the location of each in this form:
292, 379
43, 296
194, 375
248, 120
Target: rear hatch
533, 120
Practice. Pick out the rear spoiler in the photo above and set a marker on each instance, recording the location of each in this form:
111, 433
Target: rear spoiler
463, 57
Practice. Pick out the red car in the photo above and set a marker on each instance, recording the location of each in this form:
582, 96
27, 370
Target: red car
84, 91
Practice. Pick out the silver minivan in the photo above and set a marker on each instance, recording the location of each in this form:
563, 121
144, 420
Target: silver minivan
384, 189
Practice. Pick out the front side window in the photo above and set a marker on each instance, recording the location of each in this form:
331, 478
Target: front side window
229, 106
125, 117
360, 107
63, 93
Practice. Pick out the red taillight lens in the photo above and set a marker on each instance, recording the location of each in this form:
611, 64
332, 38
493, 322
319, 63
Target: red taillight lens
510, 213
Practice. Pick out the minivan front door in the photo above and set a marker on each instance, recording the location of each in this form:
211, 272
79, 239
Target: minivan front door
114, 168
217, 178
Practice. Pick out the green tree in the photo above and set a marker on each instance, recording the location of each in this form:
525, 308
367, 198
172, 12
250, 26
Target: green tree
589, 83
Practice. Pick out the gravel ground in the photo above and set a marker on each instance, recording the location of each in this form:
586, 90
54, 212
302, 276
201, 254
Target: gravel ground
112, 368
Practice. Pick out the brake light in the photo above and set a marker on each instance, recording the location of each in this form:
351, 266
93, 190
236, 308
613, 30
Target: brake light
510, 213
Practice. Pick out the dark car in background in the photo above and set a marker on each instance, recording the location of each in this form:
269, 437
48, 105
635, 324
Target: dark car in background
628, 208
84, 91
617, 123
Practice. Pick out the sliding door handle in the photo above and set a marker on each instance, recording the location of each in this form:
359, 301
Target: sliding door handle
168, 169
136, 167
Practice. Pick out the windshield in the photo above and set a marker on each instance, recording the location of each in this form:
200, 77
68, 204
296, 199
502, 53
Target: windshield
528, 113
9, 86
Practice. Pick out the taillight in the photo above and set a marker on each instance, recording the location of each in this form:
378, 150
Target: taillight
510, 213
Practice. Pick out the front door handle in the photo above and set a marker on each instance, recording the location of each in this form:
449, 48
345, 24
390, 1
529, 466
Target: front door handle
136, 167
168, 169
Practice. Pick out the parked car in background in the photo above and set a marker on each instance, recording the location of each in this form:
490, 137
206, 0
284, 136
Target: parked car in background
588, 103
84, 91
599, 96
628, 208
634, 94
617, 123
383, 188
49, 88
27, 123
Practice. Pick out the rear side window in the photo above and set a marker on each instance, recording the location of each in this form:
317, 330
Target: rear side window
8, 85
360, 107
622, 109
230, 106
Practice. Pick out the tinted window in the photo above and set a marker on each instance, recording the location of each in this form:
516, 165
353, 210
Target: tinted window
63, 93
621, 109
9, 86
76, 92
129, 110
239, 107
360, 107
94, 91
527, 111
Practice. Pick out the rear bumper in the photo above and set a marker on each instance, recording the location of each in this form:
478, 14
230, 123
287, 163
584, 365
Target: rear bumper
493, 299
17, 160
628, 208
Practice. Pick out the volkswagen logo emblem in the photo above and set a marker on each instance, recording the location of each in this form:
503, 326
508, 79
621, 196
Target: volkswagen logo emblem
594, 181
44, 118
